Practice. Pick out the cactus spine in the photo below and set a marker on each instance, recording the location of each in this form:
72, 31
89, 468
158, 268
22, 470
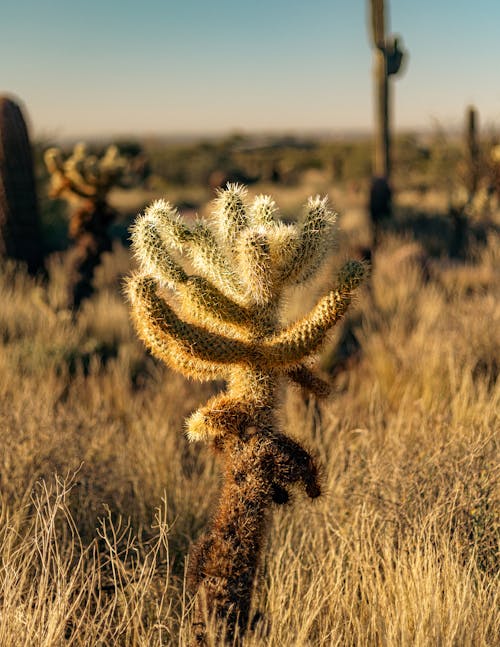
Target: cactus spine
85, 181
226, 325
20, 233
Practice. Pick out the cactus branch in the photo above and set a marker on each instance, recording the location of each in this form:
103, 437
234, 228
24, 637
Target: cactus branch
314, 242
163, 346
306, 379
304, 337
230, 214
193, 341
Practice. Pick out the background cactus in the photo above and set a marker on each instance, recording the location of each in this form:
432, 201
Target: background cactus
388, 57
84, 181
227, 325
20, 232
473, 163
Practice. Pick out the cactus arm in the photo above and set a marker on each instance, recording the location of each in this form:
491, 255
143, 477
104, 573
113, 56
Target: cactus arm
230, 214
198, 243
152, 254
168, 223
313, 243
194, 342
208, 259
198, 295
304, 337
162, 346
226, 413
306, 379
262, 210
255, 265
208, 304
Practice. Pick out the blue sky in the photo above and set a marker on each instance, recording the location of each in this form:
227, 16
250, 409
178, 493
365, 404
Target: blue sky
144, 67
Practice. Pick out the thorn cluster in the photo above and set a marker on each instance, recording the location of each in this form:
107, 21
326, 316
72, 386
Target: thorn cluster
224, 322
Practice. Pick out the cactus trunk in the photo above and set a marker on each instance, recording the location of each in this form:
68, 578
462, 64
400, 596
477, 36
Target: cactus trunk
20, 231
259, 465
89, 230
472, 146
382, 157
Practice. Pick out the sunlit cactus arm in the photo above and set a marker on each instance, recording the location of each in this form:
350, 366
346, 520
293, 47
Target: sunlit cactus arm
207, 258
262, 210
230, 214
255, 265
314, 242
74, 171
307, 380
198, 295
53, 160
112, 164
226, 414
161, 226
168, 224
208, 304
304, 337
195, 342
60, 182
198, 243
152, 254
162, 346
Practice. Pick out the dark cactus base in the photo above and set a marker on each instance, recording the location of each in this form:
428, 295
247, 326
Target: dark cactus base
89, 229
380, 206
259, 467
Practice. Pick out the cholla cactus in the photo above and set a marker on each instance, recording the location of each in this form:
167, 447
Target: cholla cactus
227, 325
84, 181
86, 176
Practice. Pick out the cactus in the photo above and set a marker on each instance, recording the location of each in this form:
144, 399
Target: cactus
20, 232
473, 152
227, 326
388, 57
85, 181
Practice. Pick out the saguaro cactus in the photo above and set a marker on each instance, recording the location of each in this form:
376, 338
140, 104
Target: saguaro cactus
85, 181
227, 325
388, 57
20, 232
472, 152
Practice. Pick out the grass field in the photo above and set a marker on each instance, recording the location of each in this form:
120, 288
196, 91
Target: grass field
101, 494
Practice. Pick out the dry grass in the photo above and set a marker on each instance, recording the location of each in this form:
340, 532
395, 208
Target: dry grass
101, 495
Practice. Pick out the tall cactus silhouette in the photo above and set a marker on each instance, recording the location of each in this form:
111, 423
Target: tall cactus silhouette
387, 59
84, 181
227, 325
20, 230
473, 161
